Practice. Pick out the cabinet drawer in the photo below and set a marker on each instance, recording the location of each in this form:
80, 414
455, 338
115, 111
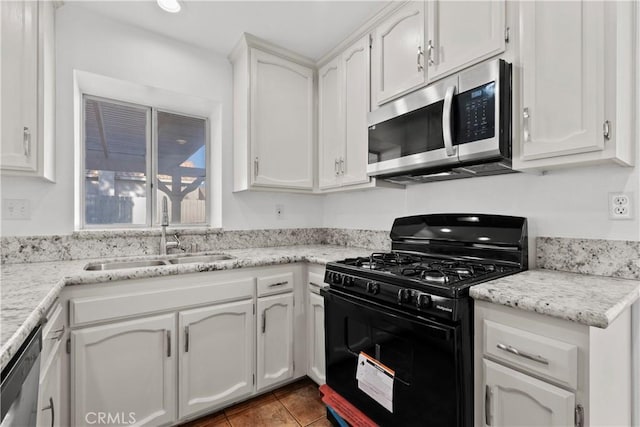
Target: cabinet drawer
88, 310
316, 282
53, 331
271, 285
547, 357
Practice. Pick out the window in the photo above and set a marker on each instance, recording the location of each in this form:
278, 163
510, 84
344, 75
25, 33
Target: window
134, 157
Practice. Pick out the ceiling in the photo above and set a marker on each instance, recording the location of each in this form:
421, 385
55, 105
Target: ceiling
310, 28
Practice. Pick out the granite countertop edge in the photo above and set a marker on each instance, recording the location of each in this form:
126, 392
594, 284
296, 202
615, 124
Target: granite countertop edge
565, 299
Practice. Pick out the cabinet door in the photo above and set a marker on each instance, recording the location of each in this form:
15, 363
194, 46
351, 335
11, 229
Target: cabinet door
355, 65
19, 85
562, 78
516, 399
281, 122
330, 124
315, 337
462, 33
398, 53
126, 369
216, 355
275, 339
50, 393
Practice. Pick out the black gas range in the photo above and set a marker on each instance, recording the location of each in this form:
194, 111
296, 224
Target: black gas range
409, 310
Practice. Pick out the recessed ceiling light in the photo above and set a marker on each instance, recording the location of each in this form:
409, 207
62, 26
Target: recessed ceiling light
171, 6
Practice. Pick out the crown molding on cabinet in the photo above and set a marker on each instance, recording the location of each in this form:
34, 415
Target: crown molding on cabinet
363, 29
252, 41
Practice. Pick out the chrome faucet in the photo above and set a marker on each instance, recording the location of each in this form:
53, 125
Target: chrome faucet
164, 245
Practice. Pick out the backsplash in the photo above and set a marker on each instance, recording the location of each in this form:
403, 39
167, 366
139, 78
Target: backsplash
123, 243
613, 258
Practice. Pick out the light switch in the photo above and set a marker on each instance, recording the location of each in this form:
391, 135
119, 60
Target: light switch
16, 209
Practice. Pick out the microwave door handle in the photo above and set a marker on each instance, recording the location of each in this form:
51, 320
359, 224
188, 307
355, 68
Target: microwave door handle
446, 122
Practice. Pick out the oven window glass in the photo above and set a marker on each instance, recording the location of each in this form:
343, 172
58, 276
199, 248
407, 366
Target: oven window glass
474, 114
416, 132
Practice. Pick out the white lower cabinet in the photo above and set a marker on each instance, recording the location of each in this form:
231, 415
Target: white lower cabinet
216, 355
50, 407
275, 340
126, 370
315, 338
537, 370
513, 399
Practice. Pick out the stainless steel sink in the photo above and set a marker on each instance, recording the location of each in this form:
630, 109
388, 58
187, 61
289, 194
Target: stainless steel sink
119, 265
187, 259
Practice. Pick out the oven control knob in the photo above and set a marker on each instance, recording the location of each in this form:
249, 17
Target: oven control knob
336, 278
404, 295
423, 301
347, 281
373, 288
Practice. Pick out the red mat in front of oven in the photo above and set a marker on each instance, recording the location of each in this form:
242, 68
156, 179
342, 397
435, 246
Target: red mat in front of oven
346, 410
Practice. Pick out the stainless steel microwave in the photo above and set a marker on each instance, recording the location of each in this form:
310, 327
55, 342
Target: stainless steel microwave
455, 128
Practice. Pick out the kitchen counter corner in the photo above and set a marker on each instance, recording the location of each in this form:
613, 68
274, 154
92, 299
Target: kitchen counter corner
589, 300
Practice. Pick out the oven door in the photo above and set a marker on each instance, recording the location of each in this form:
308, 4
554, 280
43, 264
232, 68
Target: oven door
429, 389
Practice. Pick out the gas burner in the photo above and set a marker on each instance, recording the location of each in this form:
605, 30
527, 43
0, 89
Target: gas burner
435, 276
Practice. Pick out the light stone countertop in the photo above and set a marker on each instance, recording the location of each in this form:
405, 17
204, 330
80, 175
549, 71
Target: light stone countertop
589, 300
29, 290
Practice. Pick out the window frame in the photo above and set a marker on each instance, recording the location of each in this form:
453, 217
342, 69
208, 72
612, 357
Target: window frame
151, 166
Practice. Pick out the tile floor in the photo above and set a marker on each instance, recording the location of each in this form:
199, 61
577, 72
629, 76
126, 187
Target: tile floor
297, 404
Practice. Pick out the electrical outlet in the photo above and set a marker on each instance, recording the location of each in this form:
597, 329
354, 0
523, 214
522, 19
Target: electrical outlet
620, 206
16, 209
279, 211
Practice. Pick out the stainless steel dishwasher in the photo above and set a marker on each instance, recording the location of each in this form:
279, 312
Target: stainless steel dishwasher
20, 379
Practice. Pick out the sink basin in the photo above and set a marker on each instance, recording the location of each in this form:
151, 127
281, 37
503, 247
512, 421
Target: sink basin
118, 265
187, 259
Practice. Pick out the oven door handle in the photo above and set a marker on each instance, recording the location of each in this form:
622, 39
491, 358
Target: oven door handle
436, 330
449, 149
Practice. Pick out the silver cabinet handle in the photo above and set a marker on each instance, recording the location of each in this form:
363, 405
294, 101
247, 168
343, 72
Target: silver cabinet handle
264, 322
53, 411
336, 166
430, 48
256, 168
341, 166
273, 285
446, 122
186, 339
315, 284
521, 353
168, 343
487, 405
59, 334
26, 141
525, 124
420, 53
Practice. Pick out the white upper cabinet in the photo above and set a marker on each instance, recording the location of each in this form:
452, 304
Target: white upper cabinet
563, 78
216, 355
343, 90
462, 33
273, 119
398, 53
330, 124
577, 84
27, 88
355, 64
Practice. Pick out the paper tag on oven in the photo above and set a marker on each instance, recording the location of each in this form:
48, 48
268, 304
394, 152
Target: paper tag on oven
376, 380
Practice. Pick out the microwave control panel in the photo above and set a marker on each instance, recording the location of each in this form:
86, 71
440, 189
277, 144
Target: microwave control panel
476, 110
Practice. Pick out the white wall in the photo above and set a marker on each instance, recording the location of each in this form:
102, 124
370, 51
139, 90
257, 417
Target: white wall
567, 203
90, 42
